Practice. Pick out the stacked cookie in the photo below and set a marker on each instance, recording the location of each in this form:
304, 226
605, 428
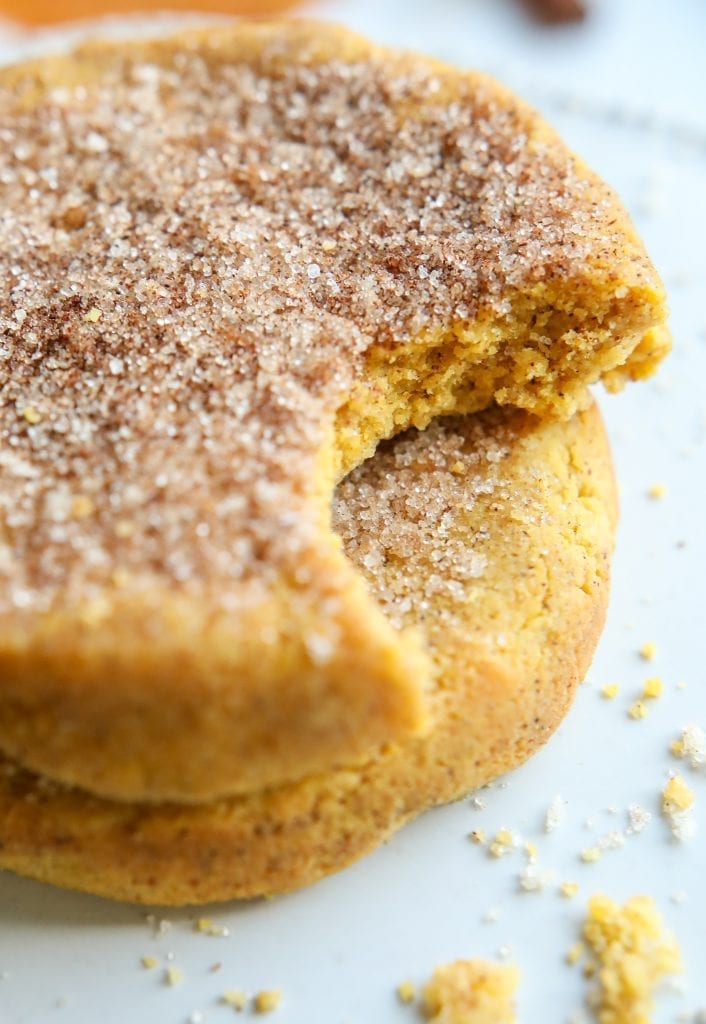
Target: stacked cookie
306, 512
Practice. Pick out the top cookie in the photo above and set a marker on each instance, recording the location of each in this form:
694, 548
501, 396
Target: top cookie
230, 262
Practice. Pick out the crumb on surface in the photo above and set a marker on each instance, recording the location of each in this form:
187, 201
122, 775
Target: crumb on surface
657, 490
632, 953
677, 795
677, 808
234, 997
653, 688
148, 962
637, 710
503, 842
691, 746
267, 1000
575, 952
648, 651
208, 927
590, 854
173, 976
610, 691
477, 836
472, 992
568, 889
406, 991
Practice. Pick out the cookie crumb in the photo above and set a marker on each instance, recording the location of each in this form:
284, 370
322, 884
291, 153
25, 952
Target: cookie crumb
568, 889
503, 842
677, 795
610, 691
92, 316
234, 997
632, 953
691, 746
406, 991
677, 806
148, 962
173, 976
657, 491
590, 854
653, 688
648, 651
208, 927
637, 710
267, 1000
575, 953
475, 991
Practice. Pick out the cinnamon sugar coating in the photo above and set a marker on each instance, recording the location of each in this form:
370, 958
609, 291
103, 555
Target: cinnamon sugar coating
526, 514
214, 252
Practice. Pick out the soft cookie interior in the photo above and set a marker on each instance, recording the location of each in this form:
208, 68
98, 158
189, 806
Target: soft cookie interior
491, 536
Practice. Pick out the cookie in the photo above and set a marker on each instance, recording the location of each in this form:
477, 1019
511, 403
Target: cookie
232, 262
489, 535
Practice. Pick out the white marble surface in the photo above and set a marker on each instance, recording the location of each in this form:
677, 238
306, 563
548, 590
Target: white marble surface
628, 90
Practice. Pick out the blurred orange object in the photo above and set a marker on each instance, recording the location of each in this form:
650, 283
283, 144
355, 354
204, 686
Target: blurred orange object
43, 12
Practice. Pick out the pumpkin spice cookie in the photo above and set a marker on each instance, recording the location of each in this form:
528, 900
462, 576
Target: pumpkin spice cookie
231, 262
488, 534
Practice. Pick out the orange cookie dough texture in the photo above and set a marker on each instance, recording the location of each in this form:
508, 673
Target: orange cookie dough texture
472, 992
490, 535
231, 262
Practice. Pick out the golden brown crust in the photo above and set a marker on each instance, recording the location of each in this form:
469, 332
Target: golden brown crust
510, 651
141, 658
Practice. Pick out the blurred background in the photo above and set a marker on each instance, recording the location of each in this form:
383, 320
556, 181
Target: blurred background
43, 12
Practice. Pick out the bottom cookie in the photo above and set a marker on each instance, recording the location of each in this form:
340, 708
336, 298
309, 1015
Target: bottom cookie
491, 535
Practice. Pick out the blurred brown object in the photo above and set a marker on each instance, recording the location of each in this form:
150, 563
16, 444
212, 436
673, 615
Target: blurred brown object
556, 12
44, 12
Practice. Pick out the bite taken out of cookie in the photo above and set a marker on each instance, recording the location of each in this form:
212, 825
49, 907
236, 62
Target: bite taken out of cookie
232, 262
